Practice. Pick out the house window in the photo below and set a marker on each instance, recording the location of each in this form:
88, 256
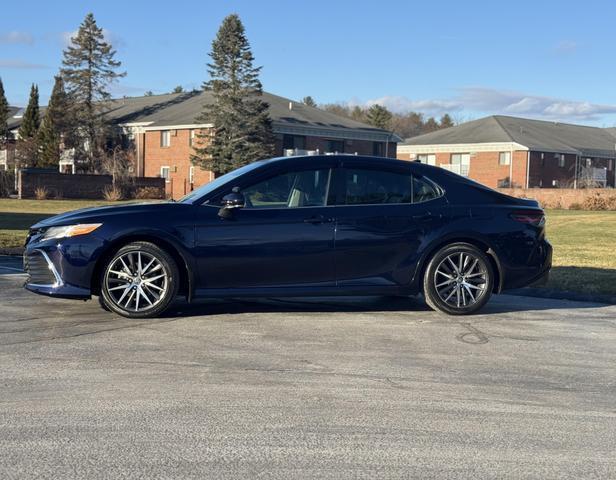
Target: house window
428, 159
291, 142
165, 138
191, 175
334, 146
378, 149
191, 137
588, 162
610, 164
561, 160
504, 158
164, 173
460, 163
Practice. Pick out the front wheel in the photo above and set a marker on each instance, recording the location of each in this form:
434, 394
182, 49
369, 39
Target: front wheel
459, 279
139, 281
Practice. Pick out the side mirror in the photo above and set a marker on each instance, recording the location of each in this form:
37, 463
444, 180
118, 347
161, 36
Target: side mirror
230, 202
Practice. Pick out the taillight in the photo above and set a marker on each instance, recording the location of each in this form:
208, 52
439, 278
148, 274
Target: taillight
531, 217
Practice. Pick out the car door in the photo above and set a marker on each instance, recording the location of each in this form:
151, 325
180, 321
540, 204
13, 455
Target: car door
282, 237
379, 228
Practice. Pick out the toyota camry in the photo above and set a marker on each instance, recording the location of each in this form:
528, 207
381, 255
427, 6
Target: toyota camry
298, 226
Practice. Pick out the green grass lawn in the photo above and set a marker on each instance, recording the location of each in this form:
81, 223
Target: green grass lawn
584, 242
17, 215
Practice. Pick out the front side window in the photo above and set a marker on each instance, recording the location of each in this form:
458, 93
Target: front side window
306, 188
368, 187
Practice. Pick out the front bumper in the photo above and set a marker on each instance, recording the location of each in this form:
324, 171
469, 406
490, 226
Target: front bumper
61, 268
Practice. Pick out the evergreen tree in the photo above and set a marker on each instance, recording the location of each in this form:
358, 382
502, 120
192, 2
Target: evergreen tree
178, 89
88, 68
379, 117
149, 93
53, 125
31, 120
430, 125
309, 101
242, 131
446, 121
4, 116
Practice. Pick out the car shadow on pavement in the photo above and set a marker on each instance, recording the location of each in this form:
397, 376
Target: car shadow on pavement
498, 304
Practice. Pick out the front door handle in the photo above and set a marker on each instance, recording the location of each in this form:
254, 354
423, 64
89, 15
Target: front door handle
315, 219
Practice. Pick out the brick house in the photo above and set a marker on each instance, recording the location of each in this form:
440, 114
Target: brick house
162, 129
502, 151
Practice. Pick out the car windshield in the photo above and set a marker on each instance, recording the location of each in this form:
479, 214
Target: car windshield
214, 184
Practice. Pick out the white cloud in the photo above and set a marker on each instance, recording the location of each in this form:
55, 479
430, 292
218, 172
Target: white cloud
492, 101
20, 64
16, 37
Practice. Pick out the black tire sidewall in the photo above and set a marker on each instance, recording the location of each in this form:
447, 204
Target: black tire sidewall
432, 297
170, 267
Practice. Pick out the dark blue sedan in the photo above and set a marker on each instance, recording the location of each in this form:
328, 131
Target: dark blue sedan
298, 226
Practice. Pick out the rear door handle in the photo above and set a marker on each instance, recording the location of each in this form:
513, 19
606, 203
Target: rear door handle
317, 219
423, 216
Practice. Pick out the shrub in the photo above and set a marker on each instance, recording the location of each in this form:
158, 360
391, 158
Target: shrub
596, 201
145, 193
111, 193
41, 193
575, 206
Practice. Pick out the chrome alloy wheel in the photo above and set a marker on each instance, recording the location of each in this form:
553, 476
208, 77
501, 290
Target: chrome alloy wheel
460, 279
136, 281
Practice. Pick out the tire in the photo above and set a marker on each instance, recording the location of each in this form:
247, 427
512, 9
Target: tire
139, 281
455, 291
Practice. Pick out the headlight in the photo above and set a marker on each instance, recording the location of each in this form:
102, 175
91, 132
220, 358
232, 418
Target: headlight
70, 230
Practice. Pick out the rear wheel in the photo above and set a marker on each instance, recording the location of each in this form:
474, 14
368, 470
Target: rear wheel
139, 281
459, 279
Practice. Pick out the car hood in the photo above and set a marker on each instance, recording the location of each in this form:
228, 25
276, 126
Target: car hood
101, 214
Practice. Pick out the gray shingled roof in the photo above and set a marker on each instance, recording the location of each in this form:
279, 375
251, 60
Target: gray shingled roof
182, 108
537, 135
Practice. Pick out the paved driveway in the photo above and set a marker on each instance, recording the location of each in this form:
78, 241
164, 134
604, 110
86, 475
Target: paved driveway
370, 388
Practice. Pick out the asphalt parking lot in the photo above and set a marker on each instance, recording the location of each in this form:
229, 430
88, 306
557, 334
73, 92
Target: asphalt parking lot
323, 388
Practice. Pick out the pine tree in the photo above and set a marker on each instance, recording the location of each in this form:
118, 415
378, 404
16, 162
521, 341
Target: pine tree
430, 125
178, 89
379, 117
242, 131
88, 68
309, 101
53, 125
31, 120
4, 116
446, 121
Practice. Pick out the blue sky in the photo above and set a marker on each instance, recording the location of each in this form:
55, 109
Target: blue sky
541, 59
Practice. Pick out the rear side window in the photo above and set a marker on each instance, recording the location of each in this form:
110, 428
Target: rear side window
424, 190
369, 187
